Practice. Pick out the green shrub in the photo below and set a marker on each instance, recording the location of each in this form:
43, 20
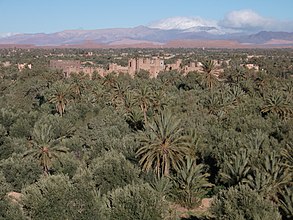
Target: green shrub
134, 202
242, 203
48, 198
9, 210
112, 171
66, 164
19, 171
85, 201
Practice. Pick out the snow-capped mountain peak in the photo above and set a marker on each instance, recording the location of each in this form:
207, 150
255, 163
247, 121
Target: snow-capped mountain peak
182, 23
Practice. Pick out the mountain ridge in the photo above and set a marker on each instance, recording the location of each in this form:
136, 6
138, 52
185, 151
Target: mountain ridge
144, 34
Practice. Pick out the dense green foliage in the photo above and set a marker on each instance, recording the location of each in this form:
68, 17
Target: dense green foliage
134, 202
243, 203
117, 147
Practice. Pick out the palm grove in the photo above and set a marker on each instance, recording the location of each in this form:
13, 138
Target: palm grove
117, 147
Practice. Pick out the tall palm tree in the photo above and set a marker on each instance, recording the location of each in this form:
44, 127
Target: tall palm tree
43, 147
208, 67
118, 93
60, 96
129, 102
159, 100
164, 146
77, 84
143, 97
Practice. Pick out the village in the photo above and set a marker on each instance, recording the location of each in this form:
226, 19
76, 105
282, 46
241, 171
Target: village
89, 63
153, 66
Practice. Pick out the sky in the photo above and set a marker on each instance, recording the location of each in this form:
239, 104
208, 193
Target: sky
48, 16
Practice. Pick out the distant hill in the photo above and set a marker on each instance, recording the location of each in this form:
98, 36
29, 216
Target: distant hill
149, 37
266, 36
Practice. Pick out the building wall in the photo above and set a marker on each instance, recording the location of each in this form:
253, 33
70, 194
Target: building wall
132, 66
152, 65
61, 64
68, 66
113, 67
192, 67
174, 66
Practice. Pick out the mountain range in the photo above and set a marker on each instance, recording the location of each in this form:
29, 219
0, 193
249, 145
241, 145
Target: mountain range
148, 36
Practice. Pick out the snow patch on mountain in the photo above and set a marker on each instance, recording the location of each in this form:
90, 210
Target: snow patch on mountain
182, 23
192, 24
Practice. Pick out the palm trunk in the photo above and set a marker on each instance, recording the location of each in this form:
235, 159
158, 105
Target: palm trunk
144, 110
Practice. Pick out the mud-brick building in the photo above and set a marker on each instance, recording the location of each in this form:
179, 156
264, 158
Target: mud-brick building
174, 66
152, 65
68, 66
114, 67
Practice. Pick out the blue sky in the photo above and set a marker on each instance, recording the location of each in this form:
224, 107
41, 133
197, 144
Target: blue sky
36, 16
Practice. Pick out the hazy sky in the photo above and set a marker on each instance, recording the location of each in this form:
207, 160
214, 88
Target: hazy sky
34, 16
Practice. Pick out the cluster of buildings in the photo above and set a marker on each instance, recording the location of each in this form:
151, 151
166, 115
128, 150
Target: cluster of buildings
74, 66
151, 65
20, 66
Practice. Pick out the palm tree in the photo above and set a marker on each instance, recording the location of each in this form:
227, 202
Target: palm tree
287, 154
236, 93
236, 74
219, 103
77, 82
286, 202
129, 102
159, 100
164, 146
60, 96
43, 147
288, 88
236, 169
208, 67
109, 80
270, 177
143, 97
135, 119
118, 93
276, 103
213, 102
97, 93
162, 185
191, 182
